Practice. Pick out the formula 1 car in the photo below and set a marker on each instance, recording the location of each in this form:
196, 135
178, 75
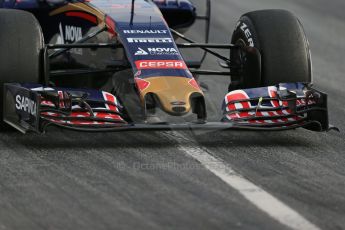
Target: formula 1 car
110, 65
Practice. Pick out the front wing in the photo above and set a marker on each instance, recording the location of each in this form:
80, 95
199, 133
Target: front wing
32, 107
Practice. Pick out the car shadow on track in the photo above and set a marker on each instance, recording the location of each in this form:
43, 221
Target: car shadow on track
145, 140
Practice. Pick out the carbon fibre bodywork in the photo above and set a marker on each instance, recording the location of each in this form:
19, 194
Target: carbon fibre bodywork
286, 106
99, 38
160, 65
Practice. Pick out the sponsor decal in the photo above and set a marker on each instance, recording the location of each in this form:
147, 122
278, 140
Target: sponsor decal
141, 51
150, 40
26, 104
145, 31
247, 33
61, 37
160, 64
156, 51
71, 34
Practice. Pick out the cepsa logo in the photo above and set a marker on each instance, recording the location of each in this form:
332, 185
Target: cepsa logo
160, 64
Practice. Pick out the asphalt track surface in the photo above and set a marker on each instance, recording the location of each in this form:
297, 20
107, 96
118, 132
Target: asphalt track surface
154, 180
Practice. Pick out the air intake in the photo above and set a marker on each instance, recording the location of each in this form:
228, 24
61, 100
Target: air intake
179, 109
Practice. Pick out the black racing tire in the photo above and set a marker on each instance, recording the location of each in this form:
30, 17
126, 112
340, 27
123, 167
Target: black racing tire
282, 43
21, 44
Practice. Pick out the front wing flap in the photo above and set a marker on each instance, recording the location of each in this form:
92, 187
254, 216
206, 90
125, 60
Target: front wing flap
31, 107
283, 105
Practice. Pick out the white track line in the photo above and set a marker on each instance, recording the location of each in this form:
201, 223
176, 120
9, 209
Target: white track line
259, 197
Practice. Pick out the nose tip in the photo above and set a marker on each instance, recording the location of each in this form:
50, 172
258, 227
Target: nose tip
179, 109
171, 102
172, 93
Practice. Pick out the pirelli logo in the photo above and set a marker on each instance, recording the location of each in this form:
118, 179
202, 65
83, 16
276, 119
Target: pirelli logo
160, 64
150, 40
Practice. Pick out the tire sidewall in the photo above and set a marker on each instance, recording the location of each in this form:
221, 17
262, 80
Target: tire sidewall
245, 32
245, 36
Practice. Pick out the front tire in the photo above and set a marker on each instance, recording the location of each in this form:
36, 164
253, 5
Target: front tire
21, 43
282, 43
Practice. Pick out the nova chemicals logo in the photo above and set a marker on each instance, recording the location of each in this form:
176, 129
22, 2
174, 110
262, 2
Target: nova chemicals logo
150, 40
156, 51
140, 51
160, 64
71, 34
